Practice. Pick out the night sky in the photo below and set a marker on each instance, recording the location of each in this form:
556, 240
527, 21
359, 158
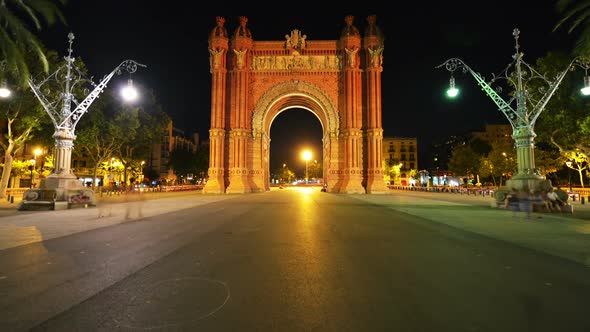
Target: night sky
172, 42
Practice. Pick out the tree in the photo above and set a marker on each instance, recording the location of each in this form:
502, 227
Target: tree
579, 163
480, 146
548, 159
112, 129
499, 162
183, 162
392, 170
23, 116
464, 161
565, 122
19, 45
97, 137
285, 174
138, 129
315, 170
202, 160
576, 13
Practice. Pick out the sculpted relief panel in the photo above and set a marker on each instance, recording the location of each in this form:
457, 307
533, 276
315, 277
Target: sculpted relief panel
296, 62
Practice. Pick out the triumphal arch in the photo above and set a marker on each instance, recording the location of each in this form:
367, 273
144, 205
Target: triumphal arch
337, 80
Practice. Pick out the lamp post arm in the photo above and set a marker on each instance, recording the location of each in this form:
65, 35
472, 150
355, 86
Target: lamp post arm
504, 107
76, 115
540, 106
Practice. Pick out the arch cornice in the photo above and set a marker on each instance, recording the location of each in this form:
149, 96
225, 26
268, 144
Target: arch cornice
295, 93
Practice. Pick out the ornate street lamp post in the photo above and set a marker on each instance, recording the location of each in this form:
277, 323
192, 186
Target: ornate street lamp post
141, 172
523, 118
65, 118
569, 174
306, 156
31, 168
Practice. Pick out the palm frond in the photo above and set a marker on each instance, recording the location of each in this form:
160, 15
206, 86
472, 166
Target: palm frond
48, 10
27, 9
581, 9
579, 20
582, 46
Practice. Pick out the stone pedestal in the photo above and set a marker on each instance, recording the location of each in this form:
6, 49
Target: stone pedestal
57, 192
523, 183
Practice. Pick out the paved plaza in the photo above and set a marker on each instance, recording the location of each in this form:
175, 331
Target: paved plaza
560, 234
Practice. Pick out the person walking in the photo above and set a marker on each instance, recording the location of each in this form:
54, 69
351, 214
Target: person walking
133, 202
525, 203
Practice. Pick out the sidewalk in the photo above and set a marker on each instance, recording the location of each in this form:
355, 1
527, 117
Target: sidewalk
24, 227
559, 234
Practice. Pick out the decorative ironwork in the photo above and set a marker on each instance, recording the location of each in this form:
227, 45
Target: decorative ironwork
517, 75
66, 78
66, 117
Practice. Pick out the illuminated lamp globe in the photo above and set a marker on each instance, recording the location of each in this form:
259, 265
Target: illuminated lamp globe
4, 92
452, 92
129, 93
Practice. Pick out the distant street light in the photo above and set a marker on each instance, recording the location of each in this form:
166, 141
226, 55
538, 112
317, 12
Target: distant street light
569, 174
522, 119
66, 117
307, 157
31, 168
36, 153
283, 175
141, 174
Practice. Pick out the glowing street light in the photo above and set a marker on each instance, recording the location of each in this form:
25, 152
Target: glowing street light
569, 173
4, 90
129, 92
141, 174
452, 92
307, 157
31, 168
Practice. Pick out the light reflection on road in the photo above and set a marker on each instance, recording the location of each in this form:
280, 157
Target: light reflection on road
309, 290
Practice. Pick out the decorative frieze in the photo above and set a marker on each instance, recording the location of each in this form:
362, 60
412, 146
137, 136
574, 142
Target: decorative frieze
296, 62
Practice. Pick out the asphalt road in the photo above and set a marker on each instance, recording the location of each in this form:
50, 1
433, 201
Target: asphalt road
289, 260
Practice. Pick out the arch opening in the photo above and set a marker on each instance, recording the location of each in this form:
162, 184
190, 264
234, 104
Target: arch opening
292, 131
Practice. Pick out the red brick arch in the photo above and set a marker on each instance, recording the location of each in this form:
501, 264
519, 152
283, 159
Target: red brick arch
253, 81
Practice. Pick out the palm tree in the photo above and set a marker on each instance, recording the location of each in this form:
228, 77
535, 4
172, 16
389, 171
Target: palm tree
576, 13
16, 37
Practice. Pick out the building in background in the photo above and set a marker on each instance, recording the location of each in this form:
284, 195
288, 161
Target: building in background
401, 151
172, 139
495, 133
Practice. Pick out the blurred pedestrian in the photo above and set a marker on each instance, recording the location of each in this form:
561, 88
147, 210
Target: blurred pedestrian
133, 202
104, 207
511, 200
525, 199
